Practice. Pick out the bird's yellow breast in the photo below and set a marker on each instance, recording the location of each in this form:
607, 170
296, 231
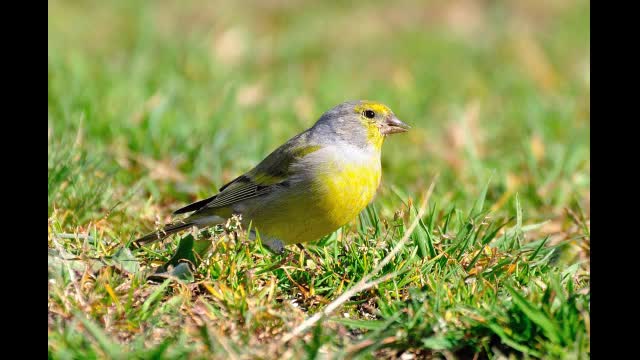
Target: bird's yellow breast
343, 193
335, 194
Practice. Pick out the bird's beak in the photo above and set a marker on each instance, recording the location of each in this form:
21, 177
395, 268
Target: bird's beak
394, 125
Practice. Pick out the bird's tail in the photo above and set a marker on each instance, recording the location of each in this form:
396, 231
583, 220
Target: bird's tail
168, 230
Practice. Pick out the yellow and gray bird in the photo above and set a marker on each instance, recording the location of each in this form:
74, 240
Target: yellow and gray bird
307, 188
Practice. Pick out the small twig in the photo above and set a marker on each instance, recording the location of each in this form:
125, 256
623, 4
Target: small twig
364, 283
305, 292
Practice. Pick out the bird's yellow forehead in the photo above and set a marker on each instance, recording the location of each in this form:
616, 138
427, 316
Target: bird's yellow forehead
378, 108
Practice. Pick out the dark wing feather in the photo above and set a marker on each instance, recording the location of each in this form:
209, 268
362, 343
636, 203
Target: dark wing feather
194, 206
239, 193
274, 171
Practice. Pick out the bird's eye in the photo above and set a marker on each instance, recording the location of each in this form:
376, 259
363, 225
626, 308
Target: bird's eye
369, 114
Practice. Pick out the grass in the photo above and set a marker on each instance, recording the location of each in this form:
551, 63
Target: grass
155, 104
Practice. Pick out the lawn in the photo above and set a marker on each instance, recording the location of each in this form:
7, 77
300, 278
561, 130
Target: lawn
483, 215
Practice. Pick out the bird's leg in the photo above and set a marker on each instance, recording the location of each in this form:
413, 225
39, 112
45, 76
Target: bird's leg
309, 255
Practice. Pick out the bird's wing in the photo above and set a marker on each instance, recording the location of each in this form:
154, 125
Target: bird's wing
274, 171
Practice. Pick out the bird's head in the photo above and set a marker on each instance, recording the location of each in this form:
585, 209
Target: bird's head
362, 123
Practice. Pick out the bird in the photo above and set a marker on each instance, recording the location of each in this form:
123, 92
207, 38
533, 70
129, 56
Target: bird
315, 183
